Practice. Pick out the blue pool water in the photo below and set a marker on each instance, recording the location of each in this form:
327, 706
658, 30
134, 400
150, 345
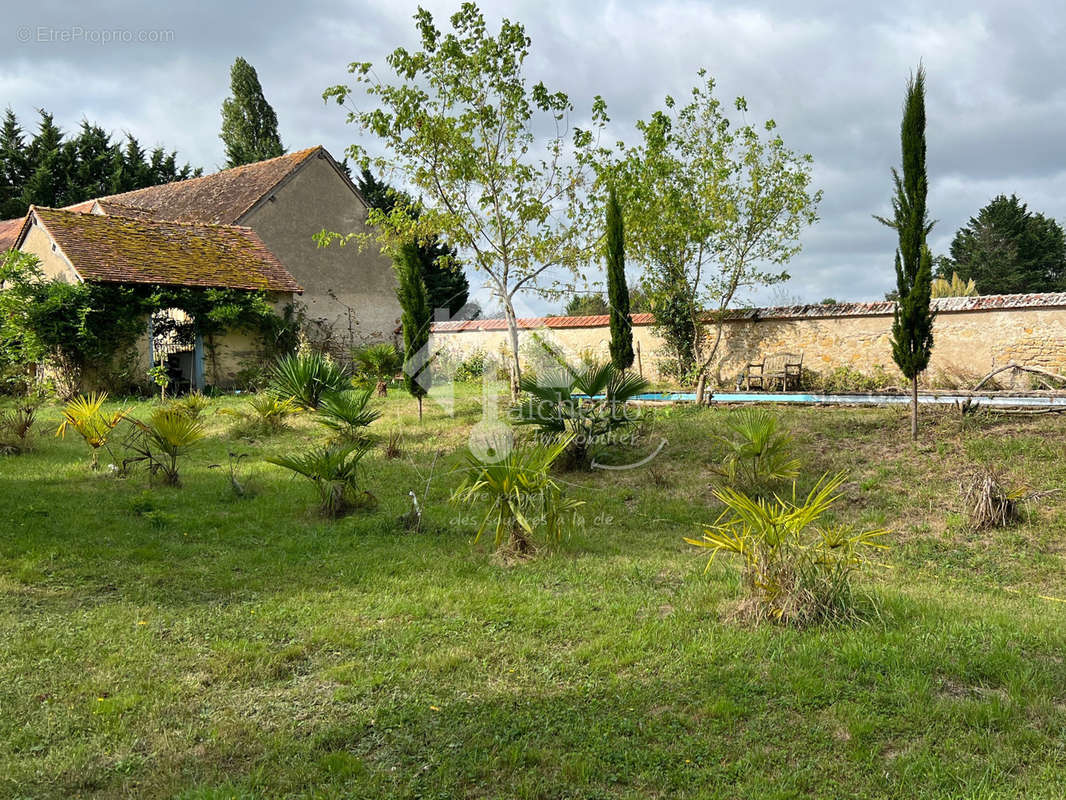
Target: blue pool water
1032, 401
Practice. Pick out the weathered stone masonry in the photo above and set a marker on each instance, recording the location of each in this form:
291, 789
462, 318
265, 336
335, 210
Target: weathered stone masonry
972, 335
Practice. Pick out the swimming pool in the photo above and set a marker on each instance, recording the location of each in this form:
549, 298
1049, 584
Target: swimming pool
934, 398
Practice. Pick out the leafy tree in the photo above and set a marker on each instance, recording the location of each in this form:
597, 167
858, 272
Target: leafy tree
617, 290
1008, 249
249, 124
459, 123
912, 327
441, 270
677, 317
417, 317
586, 305
710, 209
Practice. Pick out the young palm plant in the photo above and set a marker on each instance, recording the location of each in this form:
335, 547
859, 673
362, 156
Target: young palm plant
266, 412
758, 456
379, 363
307, 378
335, 473
168, 434
15, 427
347, 413
796, 569
84, 414
583, 406
522, 496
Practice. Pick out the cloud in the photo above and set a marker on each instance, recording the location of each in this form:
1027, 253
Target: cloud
832, 74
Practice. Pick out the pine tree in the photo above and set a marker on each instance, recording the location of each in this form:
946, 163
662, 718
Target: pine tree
47, 173
249, 124
441, 272
617, 290
14, 167
912, 327
416, 316
1008, 249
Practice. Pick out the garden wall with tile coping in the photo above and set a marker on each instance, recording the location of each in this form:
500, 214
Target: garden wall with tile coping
972, 336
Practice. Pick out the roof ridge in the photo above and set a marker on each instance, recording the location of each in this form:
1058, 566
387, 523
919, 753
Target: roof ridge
180, 223
303, 154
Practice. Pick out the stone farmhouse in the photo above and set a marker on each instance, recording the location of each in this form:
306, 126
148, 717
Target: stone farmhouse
250, 227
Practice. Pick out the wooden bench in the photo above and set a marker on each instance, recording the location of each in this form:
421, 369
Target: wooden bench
784, 368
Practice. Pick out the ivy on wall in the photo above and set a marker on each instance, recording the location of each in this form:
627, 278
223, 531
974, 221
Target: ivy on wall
75, 327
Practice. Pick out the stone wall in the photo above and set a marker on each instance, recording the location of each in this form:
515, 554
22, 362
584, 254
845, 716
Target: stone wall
972, 336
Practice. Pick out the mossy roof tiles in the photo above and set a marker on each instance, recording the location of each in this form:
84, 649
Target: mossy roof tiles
221, 198
128, 250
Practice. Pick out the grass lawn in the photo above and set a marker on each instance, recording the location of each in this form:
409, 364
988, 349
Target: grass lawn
186, 643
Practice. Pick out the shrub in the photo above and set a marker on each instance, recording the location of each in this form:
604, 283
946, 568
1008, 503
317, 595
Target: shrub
378, 363
540, 356
758, 456
795, 569
16, 425
335, 473
471, 368
159, 443
85, 415
584, 407
847, 380
347, 413
523, 500
192, 405
265, 413
307, 377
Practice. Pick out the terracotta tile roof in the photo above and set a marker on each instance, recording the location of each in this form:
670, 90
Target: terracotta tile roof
9, 233
83, 207
218, 199
126, 250
879, 308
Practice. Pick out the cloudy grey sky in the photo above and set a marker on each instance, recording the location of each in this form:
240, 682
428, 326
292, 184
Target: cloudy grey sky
831, 73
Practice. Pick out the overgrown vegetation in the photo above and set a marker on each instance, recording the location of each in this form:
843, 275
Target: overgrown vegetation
80, 328
264, 639
797, 567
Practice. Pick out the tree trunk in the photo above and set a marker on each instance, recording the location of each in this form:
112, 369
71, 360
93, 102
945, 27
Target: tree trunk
701, 386
512, 329
519, 543
914, 408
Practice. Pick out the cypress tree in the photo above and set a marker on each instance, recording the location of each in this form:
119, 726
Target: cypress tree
249, 124
912, 326
417, 316
617, 290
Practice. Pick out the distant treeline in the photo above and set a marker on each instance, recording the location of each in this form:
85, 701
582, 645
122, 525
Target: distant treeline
54, 169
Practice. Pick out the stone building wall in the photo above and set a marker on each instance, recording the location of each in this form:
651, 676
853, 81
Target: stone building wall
972, 336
